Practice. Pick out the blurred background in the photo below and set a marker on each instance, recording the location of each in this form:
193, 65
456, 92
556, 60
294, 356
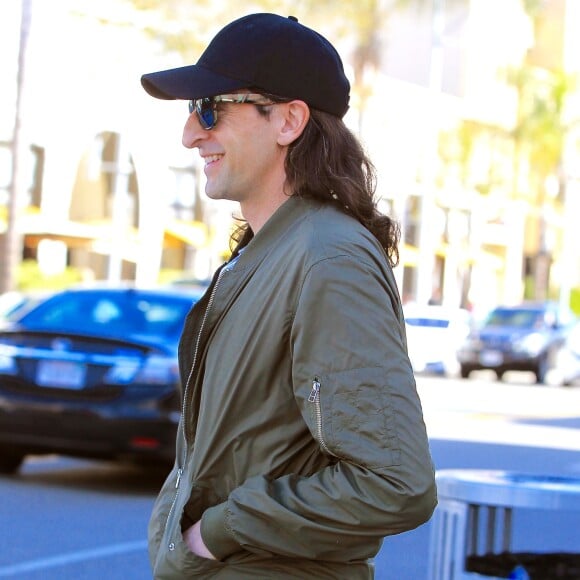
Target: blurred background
469, 108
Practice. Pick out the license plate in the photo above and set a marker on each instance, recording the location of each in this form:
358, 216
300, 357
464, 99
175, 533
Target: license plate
491, 358
61, 374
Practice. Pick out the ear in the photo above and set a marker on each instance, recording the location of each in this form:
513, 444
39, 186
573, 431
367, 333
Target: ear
295, 116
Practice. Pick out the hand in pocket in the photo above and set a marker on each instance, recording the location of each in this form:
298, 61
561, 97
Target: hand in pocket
194, 541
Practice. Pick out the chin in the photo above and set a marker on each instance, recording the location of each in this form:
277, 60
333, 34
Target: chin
216, 194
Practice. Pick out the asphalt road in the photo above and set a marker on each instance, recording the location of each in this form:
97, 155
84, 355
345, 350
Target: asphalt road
485, 424
62, 518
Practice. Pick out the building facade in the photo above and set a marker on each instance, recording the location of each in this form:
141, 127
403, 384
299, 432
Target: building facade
112, 193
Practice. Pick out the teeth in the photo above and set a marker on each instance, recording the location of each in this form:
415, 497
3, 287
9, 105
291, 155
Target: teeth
211, 158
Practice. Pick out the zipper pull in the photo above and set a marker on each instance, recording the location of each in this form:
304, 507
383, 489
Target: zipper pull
179, 472
313, 397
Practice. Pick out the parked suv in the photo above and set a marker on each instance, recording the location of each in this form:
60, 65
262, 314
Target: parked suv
525, 337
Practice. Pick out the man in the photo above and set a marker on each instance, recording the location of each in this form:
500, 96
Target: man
301, 442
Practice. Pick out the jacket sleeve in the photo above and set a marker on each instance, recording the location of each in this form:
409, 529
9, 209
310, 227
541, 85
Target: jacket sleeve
354, 385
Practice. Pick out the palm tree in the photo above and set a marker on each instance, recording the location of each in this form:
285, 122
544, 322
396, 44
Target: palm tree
536, 142
12, 240
539, 137
184, 27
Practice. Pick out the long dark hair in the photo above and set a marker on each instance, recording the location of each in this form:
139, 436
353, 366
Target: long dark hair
327, 162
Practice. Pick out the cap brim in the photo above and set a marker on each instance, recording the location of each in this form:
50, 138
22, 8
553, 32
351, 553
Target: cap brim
188, 82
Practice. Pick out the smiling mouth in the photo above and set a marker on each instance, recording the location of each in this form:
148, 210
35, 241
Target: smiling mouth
211, 159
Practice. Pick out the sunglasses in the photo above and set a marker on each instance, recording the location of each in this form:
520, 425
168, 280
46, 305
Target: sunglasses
206, 107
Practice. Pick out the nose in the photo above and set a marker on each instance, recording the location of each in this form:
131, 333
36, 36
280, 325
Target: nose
193, 132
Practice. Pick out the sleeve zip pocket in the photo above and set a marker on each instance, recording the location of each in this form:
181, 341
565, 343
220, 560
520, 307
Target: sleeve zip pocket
314, 399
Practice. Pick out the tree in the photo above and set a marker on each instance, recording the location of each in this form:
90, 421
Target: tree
187, 27
534, 144
12, 241
539, 136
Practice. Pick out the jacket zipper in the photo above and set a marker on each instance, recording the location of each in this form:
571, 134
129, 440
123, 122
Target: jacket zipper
195, 354
184, 406
314, 398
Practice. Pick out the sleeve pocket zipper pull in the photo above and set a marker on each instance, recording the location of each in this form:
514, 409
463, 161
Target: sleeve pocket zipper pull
313, 397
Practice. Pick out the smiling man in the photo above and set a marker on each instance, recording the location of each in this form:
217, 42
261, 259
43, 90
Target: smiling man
301, 443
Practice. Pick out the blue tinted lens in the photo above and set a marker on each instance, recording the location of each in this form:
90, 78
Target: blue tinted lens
205, 109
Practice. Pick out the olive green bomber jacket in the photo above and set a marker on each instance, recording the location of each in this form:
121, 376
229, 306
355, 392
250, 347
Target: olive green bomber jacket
302, 442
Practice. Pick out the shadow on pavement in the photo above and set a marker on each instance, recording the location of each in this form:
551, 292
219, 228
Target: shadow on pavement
98, 476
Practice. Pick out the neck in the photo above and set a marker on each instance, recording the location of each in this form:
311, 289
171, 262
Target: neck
258, 211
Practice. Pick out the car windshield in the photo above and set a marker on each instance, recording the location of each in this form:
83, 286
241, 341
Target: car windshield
117, 314
515, 318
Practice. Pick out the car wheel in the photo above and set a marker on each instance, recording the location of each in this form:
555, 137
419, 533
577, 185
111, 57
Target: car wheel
10, 461
464, 371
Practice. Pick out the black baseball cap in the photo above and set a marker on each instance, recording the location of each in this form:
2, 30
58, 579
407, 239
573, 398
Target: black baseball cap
266, 52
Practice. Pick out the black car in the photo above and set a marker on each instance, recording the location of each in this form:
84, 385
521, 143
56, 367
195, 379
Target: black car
92, 373
525, 337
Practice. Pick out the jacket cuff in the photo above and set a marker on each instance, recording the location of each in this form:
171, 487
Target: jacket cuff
218, 540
